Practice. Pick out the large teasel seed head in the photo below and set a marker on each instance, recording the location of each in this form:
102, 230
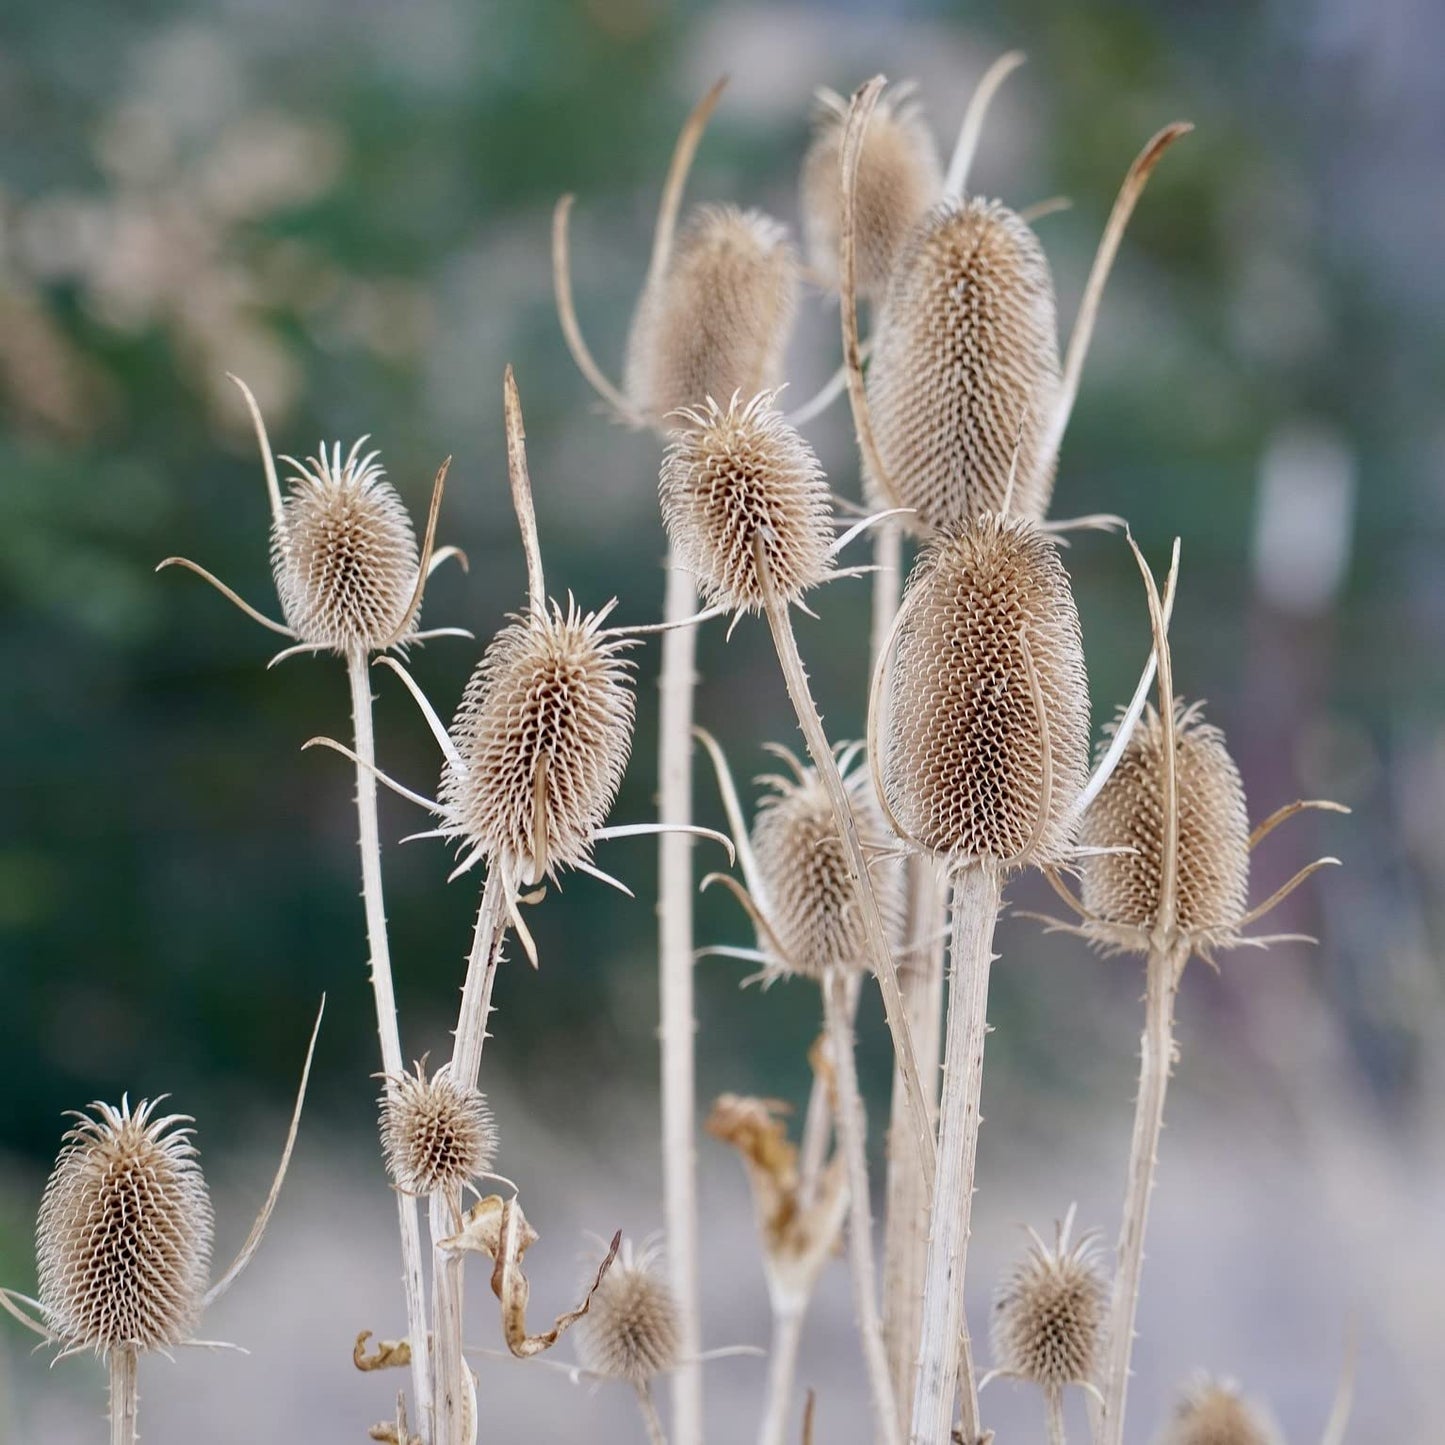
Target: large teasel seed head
1212, 1412
544, 730
344, 554
435, 1134
717, 320
966, 769
632, 1331
1122, 889
123, 1238
899, 178
965, 368
739, 480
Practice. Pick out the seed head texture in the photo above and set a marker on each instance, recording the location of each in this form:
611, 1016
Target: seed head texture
632, 1331
435, 1134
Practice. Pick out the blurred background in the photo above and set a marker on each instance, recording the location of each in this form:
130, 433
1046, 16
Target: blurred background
347, 202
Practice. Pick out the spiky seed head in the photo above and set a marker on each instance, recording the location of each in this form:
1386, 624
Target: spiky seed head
812, 901
963, 754
899, 178
1212, 888
965, 367
737, 478
344, 556
543, 731
632, 1331
1212, 1412
435, 1133
123, 1238
1048, 1315
718, 318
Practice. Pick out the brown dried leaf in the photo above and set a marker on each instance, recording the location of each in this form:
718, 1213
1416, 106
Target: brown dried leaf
397, 1432
389, 1354
483, 1225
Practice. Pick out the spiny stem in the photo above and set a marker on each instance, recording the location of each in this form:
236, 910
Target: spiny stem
369, 840
782, 1369
124, 1397
649, 1416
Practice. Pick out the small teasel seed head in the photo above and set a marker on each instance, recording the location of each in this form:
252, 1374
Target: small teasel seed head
123, 1238
1212, 1412
718, 319
436, 1134
812, 901
1212, 883
899, 178
738, 478
544, 730
632, 1331
1049, 1314
965, 368
963, 756
344, 554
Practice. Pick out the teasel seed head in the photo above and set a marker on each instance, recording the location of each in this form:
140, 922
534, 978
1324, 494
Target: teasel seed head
544, 731
633, 1330
123, 1238
436, 1134
738, 480
1212, 1412
344, 553
718, 318
1049, 1314
985, 744
899, 178
1122, 890
965, 369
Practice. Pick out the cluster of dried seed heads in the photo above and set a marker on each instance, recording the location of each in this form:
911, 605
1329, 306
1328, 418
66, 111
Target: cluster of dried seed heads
123, 1238
632, 1331
436, 1134
1212, 1412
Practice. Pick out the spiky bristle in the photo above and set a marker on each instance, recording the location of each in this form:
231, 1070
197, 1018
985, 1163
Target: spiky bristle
1212, 1412
435, 1134
633, 1330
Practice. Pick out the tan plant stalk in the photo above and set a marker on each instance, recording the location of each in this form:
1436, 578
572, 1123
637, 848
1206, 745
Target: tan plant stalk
124, 1396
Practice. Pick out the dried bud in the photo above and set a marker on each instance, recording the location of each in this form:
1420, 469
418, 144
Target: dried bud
985, 746
738, 480
344, 555
123, 1239
1048, 1316
718, 318
899, 178
544, 730
436, 1134
965, 369
1211, 1412
632, 1331
1121, 890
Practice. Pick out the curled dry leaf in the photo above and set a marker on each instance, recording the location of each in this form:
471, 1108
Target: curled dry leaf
395, 1432
388, 1355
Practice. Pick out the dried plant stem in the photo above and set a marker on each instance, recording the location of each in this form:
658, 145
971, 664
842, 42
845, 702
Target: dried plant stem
649, 1416
944, 1348
678, 1024
852, 1135
124, 1397
369, 838
782, 1369
1054, 1405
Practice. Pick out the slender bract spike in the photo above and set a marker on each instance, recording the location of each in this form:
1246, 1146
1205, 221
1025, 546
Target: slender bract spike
273, 487
973, 119
428, 712
228, 594
683, 154
522, 495
424, 567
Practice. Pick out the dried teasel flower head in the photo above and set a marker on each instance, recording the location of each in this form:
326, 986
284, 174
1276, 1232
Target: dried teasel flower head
633, 1330
1212, 1412
985, 741
1049, 1314
123, 1238
899, 178
436, 1134
740, 488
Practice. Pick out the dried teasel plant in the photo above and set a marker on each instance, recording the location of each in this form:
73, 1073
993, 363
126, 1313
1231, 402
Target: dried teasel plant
436, 1134
1213, 1412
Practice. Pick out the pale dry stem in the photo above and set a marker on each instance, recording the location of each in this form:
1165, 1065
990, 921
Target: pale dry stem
124, 1396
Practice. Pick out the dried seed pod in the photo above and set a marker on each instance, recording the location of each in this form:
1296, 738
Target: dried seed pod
718, 318
436, 1134
737, 481
899, 178
123, 1238
543, 731
965, 370
1121, 890
985, 745
1212, 1412
633, 1330
344, 553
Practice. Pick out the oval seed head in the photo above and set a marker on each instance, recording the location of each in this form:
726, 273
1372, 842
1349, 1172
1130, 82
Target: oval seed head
1048, 1316
632, 1330
1212, 886
544, 730
737, 481
899, 178
345, 556
1211, 1412
123, 1238
435, 1134
965, 368
965, 767
718, 319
